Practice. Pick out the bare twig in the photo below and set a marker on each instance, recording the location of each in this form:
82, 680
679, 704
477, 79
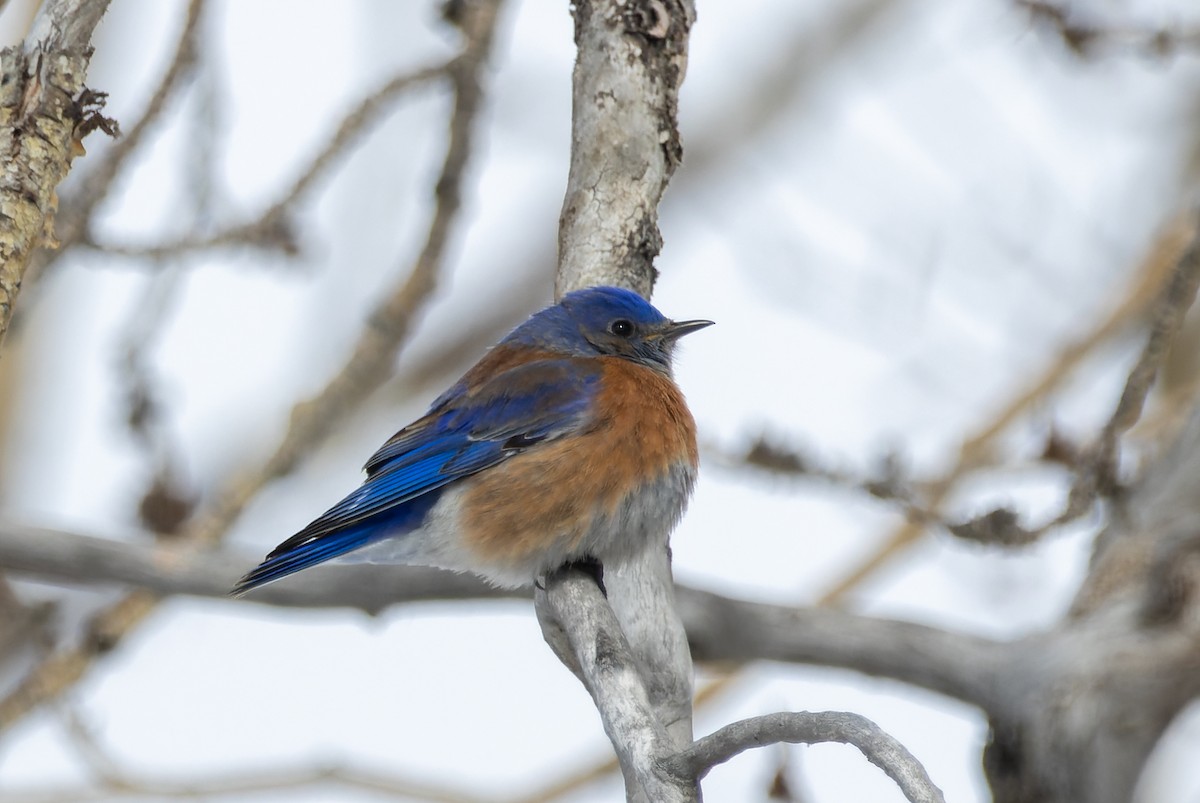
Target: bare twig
1000, 527
272, 229
1166, 319
82, 737
1096, 469
880, 748
76, 216
22, 626
1086, 39
771, 455
239, 787
1150, 277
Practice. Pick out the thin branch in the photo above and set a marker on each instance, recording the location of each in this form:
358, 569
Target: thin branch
1085, 39
23, 627
998, 527
1166, 319
82, 737
263, 233
1095, 470
311, 421
1150, 277
96, 184
143, 563
769, 454
238, 787
880, 748
272, 228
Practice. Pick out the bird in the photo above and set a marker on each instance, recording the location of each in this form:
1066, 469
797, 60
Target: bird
568, 443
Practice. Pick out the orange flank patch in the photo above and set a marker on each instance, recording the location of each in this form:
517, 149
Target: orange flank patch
548, 494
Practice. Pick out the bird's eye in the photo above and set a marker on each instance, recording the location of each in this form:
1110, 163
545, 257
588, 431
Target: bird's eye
621, 327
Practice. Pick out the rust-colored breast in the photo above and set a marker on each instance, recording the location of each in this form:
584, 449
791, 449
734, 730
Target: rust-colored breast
545, 498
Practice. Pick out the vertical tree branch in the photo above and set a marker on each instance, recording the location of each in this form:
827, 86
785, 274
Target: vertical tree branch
44, 112
624, 140
593, 641
625, 146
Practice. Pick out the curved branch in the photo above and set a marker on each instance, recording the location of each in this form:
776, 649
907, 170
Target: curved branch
805, 727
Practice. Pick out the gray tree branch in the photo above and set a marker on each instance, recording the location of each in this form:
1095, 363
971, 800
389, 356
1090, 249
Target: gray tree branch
625, 141
959, 665
805, 727
600, 652
719, 628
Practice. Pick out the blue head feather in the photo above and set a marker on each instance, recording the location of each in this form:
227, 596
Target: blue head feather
601, 321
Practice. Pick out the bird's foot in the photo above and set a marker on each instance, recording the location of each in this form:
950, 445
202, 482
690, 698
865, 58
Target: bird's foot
593, 568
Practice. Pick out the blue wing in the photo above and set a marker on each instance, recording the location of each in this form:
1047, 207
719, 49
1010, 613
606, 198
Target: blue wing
466, 431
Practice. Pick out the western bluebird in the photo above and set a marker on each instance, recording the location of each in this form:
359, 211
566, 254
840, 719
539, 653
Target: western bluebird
569, 442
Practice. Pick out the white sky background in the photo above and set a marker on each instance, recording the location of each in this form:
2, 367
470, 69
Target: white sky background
932, 214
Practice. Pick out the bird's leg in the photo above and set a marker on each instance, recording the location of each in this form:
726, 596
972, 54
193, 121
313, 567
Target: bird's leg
591, 567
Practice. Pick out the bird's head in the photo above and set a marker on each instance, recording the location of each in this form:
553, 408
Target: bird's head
620, 323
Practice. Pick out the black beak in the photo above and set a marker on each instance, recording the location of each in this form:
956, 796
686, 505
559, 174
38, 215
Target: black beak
677, 329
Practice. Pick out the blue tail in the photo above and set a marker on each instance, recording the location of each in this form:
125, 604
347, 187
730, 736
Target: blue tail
304, 550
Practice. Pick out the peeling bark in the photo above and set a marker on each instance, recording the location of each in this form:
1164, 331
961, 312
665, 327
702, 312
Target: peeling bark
45, 111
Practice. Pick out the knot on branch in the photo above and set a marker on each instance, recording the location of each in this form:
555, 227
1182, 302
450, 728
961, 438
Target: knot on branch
650, 18
86, 111
1001, 526
1171, 581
